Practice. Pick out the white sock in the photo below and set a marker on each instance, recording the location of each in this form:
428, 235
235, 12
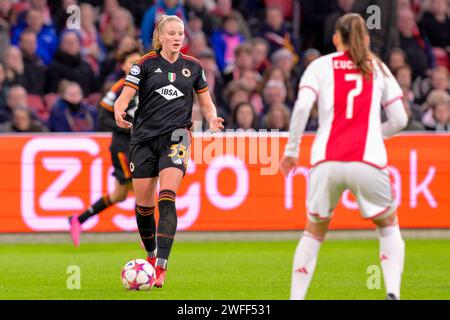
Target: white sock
392, 257
304, 264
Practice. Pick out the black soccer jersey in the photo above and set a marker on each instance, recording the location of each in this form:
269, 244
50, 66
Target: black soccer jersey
165, 93
107, 122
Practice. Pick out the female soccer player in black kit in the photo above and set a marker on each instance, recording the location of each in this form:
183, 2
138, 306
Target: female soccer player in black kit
119, 149
165, 80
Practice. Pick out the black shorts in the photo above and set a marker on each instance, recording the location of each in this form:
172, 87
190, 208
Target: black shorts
148, 159
119, 148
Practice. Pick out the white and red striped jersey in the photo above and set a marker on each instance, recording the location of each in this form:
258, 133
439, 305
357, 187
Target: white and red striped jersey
349, 109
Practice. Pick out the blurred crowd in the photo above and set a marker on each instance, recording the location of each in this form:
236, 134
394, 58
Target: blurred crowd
54, 69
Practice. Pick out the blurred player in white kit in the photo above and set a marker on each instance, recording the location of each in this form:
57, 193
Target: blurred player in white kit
350, 87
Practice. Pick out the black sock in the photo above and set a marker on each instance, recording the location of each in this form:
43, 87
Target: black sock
145, 219
96, 208
167, 225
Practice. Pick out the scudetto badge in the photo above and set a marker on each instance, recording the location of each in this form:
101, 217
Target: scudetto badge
186, 72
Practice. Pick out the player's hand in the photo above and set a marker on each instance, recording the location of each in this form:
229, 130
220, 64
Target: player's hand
120, 119
288, 164
216, 124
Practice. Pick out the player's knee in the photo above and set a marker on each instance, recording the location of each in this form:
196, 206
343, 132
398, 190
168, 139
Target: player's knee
385, 220
317, 228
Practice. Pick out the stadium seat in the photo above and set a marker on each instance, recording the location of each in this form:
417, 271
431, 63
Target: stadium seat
36, 104
50, 99
93, 99
442, 58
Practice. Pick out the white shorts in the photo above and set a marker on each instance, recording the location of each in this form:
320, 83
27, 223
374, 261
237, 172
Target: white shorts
371, 187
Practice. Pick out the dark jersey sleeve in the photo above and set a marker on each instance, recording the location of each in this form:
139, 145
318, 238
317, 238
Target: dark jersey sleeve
135, 75
200, 84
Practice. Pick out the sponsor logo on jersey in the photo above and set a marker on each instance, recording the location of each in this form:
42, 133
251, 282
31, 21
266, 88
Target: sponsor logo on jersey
171, 76
170, 92
186, 72
135, 70
178, 161
132, 79
158, 70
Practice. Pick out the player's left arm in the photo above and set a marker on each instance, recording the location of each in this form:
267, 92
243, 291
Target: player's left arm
206, 104
209, 111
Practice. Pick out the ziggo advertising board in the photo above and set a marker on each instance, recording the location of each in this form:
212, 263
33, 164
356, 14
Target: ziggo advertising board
232, 183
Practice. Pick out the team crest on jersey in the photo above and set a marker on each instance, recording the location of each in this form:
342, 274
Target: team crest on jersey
186, 72
169, 92
135, 70
172, 76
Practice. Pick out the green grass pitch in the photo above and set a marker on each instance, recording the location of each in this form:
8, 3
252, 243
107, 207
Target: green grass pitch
219, 270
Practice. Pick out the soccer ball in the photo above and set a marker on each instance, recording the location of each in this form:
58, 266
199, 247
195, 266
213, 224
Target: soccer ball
138, 274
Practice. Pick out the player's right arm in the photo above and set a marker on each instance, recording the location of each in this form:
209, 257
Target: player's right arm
121, 105
307, 95
130, 86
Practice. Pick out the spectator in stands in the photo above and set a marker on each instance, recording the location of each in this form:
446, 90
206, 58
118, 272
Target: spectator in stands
68, 64
435, 24
437, 116
3, 86
413, 123
16, 97
223, 10
70, 114
121, 25
244, 117
284, 60
154, 13
404, 79
243, 62
439, 80
250, 80
214, 79
5, 25
93, 51
397, 59
197, 44
314, 13
225, 41
108, 8
14, 66
274, 92
329, 27
260, 55
235, 93
276, 73
111, 69
34, 68
308, 56
47, 38
415, 46
41, 6
277, 118
386, 37
276, 33
22, 121
197, 9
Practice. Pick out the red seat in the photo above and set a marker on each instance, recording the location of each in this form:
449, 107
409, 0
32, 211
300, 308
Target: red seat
50, 99
36, 104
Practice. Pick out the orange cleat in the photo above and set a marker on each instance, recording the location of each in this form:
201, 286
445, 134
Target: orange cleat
152, 261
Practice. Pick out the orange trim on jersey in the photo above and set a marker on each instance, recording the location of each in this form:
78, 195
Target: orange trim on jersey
150, 55
190, 58
106, 106
203, 90
129, 84
124, 164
